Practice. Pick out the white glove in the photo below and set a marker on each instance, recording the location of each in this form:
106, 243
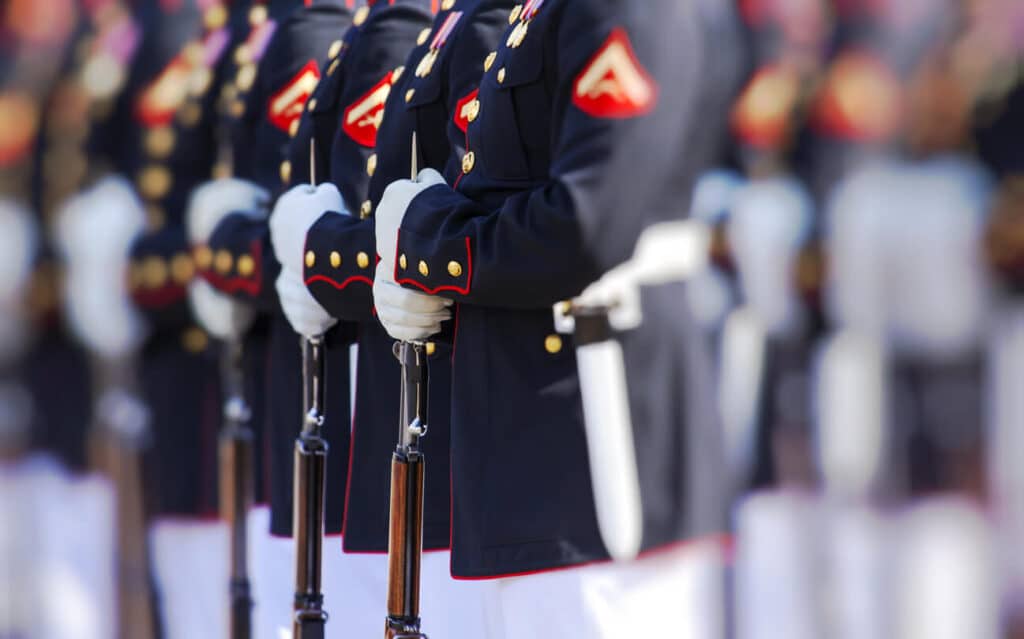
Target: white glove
215, 200
95, 230
17, 244
391, 211
407, 315
222, 316
304, 313
293, 215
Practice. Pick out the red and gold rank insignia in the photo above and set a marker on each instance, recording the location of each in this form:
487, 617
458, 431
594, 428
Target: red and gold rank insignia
20, 116
862, 100
285, 106
362, 119
158, 103
614, 84
466, 110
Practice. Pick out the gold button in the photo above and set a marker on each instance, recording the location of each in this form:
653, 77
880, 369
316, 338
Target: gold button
154, 272
422, 37
454, 268
222, 262
194, 340
447, 4
360, 16
312, 104
286, 171
334, 67
203, 256
160, 141
473, 110
293, 128
424, 269
518, 35
362, 259
397, 73
242, 54
501, 75
182, 268
514, 15
431, 348
310, 259
335, 259
553, 344
365, 210
468, 161
489, 60
334, 49
245, 77
402, 262
409, 94
246, 265
371, 164
257, 15
154, 182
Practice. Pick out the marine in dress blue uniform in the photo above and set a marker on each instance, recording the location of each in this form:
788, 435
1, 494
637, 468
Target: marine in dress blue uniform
442, 72
511, 236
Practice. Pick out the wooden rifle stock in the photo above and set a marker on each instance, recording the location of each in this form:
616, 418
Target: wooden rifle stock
308, 508
405, 532
236, 490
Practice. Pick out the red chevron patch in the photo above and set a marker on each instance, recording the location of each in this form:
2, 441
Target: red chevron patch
614, 84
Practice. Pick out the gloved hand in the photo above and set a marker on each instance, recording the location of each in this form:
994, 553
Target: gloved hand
215, 200
304, 313
95, 230
293, 215
222, 316
391, 211
406, 315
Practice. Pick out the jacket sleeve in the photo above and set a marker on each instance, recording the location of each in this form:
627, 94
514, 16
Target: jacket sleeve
527, 253
340, 264
239, 261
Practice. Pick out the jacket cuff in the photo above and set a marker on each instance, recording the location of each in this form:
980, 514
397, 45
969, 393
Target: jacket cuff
239, 261
340, 263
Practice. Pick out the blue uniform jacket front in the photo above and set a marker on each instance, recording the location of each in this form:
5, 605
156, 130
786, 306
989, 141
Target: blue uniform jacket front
455, 46
515, 233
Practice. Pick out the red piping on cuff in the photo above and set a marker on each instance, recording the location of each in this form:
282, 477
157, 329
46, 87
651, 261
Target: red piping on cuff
336, 284
447, 287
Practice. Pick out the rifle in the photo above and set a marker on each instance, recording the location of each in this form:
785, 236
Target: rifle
236, 488
120, 436
308, 512
405, 531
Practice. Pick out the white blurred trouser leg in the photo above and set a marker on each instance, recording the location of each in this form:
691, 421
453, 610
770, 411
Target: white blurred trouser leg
191, 561
272, 575
675, 593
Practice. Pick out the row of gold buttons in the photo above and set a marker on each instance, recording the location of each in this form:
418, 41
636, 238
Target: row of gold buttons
362, 259
454, 268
